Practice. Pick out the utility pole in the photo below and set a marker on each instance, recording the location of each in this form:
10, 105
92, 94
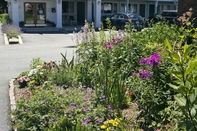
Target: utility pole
127, 6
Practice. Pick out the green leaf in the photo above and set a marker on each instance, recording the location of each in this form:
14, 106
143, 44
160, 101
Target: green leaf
192, 97
190, 67
175, 56
187, 50
173, 86
180, 100
193, 112
167, 43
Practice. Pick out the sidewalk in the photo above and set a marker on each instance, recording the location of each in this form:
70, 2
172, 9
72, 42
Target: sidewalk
16, 58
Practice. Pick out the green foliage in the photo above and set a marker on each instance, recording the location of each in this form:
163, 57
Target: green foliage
183, 70
36, 62
4, 18
61, 108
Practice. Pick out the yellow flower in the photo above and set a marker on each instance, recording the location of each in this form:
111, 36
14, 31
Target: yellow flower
106, 122
103, 126
111, 121
115, 123
108, 129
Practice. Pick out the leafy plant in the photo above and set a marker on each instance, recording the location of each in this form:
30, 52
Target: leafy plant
61, 108
184, 63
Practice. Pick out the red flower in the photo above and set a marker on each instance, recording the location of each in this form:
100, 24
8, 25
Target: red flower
131, 93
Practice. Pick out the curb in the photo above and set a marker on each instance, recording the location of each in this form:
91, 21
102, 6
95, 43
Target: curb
12, 98
7, 42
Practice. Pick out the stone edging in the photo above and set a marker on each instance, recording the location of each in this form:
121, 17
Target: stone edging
7, 42
12, 97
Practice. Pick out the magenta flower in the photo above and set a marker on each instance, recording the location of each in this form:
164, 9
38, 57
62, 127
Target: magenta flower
70, 115
117, 41
103, 97
73, 105
45, 121
85, 99
144, 74
154, 60
108, 107
86, 121
45, 101
85, 109
108, 45
100, 120
27, 111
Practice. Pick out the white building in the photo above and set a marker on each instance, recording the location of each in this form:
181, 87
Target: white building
62, 12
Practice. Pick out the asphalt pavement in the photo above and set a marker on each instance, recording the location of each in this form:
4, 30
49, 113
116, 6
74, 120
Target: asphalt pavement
16, 58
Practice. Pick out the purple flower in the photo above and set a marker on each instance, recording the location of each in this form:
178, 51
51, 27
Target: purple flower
154, 60
86, 121
92, 95
73, 105
27, 111
143, 61
108, 107
133, 74
85, 109
103, 85
70, 115
108, 45
52, 118
103, 97
58, 87
45, 101
45, 121
117, 41
85, 99
144, 74
100, 120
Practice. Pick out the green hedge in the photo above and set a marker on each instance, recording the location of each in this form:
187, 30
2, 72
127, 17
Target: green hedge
4, 18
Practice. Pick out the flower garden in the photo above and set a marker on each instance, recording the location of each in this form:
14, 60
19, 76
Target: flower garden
154, 68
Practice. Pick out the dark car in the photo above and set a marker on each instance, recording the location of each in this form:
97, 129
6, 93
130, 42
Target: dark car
119, 20
169, 16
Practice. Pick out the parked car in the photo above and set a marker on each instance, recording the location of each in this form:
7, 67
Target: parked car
169, 16
119, 20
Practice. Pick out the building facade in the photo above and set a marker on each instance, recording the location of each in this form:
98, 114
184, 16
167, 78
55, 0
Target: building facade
66, 12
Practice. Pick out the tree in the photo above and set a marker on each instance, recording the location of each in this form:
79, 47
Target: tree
3, 6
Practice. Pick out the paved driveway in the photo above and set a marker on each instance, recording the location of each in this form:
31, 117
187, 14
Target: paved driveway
16, 58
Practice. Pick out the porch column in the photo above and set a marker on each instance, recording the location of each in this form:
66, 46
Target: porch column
98, 13
59, 13
15, 14
156, 5
127, 6
89, 10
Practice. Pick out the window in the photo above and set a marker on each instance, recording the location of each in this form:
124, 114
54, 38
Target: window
131, 7
109, 7
67, 7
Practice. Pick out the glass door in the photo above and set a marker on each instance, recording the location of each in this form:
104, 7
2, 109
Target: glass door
40, 9
34, 13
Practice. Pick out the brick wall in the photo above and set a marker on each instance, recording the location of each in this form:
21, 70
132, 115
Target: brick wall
184, 5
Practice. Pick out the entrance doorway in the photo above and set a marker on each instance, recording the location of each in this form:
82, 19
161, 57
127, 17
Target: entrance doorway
81, 13
35, 14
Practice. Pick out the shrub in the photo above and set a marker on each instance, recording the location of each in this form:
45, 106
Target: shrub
11, 30
4, 19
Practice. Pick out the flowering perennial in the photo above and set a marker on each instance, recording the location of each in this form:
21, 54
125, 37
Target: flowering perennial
115, 41
144, 74
153, 60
